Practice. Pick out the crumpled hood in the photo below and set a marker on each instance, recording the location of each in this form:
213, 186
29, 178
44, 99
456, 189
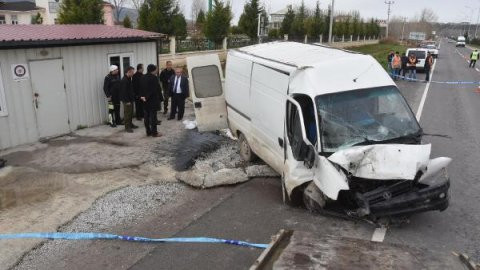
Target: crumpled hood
383, 161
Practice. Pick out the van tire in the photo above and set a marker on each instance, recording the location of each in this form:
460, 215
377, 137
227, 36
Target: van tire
245, 151
313, 198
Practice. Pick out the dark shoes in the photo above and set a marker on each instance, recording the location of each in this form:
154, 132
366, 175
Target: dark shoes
134, 126
129, 130
157, 135
171, 118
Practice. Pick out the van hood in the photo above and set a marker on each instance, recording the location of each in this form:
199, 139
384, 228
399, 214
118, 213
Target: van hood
385, 161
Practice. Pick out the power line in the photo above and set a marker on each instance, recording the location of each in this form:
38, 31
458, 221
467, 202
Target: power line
389, 3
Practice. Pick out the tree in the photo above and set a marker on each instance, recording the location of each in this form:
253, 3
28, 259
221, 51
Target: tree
137, 4
118, 7
315, 25
217, 23
355, 23
235, 30
37, 19
298, 25
273, 34
162, 16
127, 23
200, 22
248, 22
197, 7
81, 12
287, 22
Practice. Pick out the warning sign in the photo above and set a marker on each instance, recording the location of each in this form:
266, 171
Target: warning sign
20, 72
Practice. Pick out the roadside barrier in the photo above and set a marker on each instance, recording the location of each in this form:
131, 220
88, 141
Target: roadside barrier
107, 236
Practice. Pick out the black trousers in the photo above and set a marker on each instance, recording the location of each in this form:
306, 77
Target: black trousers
116, 113
150, 120
178, 106
427, 74
166, 97
472, 63
138, 108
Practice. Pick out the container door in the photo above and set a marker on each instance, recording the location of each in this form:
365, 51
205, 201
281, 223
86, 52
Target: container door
49, 97
205, 78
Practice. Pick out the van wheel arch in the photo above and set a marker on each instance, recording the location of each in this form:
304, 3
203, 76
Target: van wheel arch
246, 151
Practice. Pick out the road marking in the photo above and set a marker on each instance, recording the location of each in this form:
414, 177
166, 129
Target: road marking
379, 234
424, 96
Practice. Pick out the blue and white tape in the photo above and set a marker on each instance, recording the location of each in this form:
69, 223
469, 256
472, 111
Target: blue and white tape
440, 82
107, 236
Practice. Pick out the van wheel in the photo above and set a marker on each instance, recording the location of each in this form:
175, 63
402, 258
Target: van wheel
245, 151
313, 198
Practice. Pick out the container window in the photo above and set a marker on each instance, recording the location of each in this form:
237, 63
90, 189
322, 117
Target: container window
207, 81
3, 102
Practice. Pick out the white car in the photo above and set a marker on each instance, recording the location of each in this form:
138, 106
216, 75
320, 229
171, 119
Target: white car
421, 54
460, 41
432, 49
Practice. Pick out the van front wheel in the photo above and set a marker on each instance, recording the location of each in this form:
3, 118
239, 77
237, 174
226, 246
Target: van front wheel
245, 151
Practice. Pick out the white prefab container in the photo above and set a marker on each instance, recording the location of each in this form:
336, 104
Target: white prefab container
52, 87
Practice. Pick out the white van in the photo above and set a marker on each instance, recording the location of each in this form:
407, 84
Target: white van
331, 122
421, 55
460, 41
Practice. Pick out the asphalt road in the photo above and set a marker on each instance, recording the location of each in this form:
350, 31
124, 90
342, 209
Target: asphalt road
254, 212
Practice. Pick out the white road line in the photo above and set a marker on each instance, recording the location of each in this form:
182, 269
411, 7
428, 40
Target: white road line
424, 96
477, 69
379, 234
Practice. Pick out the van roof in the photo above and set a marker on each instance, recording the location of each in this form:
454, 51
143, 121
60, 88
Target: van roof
296, 54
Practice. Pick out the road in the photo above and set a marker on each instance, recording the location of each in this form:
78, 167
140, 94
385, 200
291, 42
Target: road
255, 211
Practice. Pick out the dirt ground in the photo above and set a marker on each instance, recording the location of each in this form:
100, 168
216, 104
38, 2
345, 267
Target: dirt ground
92, 180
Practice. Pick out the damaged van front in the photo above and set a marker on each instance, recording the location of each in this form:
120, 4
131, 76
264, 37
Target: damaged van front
371, 159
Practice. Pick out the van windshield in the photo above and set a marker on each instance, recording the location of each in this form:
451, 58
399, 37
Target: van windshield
366, 116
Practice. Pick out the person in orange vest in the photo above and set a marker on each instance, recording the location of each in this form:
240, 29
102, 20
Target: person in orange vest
396, 65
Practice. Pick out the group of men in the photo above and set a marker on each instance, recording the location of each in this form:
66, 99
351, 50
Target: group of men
144, 93
402, 64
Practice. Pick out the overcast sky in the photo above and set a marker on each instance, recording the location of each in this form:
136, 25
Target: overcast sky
446, 10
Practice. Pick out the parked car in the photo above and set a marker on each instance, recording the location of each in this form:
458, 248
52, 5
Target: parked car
331, 122
432, 49
460, 41
421, 54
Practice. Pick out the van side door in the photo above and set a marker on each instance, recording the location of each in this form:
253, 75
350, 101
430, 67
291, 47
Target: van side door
205, 79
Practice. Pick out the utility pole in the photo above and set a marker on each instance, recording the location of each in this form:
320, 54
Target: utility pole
476, 26
389, 3
210, 8
330, 28
403, 27
259, 28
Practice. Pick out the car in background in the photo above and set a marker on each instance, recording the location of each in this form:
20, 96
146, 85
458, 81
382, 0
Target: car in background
460, 41
421, 54
432, 49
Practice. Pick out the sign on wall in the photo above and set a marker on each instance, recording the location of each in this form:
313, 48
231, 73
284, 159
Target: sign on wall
20, 72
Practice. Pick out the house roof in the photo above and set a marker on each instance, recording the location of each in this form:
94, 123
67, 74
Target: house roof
73, 34
280, 12
18, 6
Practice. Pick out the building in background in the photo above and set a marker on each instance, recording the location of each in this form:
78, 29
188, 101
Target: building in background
19, 12
276, 19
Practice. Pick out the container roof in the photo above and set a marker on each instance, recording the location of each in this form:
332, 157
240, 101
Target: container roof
297, 54
73, 34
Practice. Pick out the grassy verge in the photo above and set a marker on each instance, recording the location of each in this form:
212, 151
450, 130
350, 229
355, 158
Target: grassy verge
380, 51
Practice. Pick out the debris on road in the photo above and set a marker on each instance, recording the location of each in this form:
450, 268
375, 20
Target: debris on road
2, 162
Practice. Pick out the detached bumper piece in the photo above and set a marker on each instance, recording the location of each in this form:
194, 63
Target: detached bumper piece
402, 199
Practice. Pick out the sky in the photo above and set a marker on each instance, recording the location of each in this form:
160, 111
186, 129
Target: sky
446, 10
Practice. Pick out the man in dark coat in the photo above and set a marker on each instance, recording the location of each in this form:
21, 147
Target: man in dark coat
165, 76
127, 96
179, 91
111, 87
151, 96
136, 89
404, 65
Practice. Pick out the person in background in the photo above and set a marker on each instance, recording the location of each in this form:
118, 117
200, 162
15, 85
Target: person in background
151, 96
396, 65
404, 65
111, 87
127, 95
428, 66
390, 56
473, 58
165, 77
136, 89
412, 67
179, 90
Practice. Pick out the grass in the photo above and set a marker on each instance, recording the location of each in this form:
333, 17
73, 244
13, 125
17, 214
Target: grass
380, 51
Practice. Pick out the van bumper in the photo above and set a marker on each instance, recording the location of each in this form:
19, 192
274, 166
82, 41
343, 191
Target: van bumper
403, 199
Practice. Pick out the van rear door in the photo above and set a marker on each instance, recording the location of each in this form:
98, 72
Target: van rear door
205, 78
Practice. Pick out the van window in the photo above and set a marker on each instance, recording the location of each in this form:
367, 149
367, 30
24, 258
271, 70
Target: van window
207, 81
294, 130
418, 54
3, 102
361, 116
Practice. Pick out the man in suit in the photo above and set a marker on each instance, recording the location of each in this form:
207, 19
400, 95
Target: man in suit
151, 96
136, 88
179, 91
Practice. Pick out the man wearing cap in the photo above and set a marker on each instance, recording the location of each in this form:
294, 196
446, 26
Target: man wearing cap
151, 95
111, 87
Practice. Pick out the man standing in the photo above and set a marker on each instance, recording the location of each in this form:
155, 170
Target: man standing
179, 90
390, 56
136, 89
404, 65
165, 76
428, 66
127, 95
396, 65
151, 96
473, 58
111, 87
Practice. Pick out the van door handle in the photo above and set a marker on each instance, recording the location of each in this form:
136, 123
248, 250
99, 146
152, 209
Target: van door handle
280, 142
197, 105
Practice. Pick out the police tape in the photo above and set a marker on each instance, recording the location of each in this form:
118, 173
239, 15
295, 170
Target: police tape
440, 82
107, 236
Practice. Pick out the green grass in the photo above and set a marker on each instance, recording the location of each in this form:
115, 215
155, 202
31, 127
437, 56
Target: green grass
380, 51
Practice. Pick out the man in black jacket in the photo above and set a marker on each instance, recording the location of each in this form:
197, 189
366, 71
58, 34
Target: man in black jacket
165, 76
127, 96
179, 91
111, 87
136, 89
151, 96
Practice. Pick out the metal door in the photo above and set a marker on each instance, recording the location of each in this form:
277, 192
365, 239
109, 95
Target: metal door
49, 97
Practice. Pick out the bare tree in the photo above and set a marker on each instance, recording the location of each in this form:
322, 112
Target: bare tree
197, 5
118, 5
427, 15
137, 4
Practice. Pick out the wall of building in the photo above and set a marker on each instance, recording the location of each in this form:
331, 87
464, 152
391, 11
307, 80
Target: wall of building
49, 16
22, 17
84, 70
